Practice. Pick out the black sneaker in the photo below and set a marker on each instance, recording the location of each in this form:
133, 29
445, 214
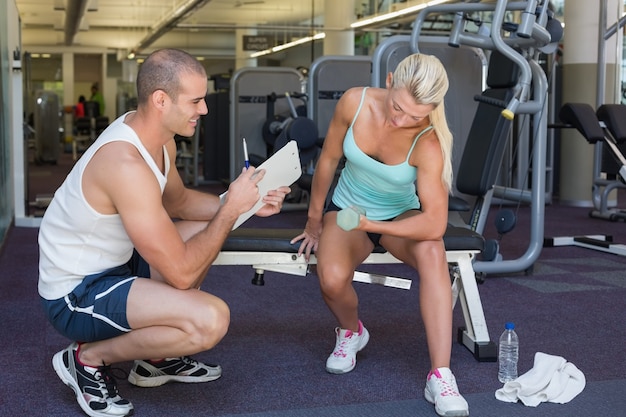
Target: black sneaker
183, 369
95, 388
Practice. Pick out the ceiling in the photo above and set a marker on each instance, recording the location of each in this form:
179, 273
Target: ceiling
203, 27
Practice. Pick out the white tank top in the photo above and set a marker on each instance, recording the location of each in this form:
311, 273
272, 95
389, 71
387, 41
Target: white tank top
74, 239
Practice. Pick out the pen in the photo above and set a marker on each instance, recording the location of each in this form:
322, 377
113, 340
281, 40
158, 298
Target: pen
245, 154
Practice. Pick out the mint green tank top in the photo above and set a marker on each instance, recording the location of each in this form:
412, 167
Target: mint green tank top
383, 191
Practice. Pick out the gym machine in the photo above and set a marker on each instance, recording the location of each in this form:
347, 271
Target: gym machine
606, 125
249, 91
603, 157
537, 32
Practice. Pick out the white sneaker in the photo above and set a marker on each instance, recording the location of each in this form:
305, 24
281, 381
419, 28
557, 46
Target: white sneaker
182, 369
95, 387
442, 391
343, 358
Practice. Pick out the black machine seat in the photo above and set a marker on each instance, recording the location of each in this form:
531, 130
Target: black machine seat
83, 126
614, 117
278, 240
584, 119
458, 204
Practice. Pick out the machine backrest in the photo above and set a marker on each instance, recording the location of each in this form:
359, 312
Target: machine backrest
489, 132
584, 119
614, 117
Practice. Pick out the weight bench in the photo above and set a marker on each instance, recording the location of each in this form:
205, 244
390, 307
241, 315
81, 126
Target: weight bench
271, 250
606, 125
614, 118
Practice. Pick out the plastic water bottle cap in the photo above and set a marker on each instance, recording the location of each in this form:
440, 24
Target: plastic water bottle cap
509, 326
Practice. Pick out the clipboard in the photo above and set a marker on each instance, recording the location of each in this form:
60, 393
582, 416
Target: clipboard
283, 168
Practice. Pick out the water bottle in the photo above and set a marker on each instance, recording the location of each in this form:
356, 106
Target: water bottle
508, 354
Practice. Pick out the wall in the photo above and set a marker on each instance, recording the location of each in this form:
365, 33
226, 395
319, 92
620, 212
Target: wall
5, 192
9, 115
302, 56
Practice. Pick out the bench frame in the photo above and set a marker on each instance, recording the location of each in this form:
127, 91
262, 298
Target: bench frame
474, 336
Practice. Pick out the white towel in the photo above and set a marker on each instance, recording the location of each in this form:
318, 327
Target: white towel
551, 379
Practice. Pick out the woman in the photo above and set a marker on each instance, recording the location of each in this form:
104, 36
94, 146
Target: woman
390, 138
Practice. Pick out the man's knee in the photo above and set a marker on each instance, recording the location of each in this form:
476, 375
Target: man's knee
210, 324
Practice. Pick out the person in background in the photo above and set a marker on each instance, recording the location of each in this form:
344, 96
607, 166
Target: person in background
96, 96
125, 246
392, 139
79, 109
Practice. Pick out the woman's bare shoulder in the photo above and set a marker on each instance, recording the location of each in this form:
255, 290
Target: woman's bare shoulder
352, 97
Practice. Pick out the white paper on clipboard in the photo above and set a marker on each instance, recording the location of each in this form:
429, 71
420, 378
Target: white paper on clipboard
283, 168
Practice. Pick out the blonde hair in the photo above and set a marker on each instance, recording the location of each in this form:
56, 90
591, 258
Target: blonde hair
426, 79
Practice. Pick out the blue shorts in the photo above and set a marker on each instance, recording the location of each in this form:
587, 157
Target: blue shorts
96, 308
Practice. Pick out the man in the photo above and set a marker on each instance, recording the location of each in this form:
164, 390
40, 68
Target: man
96, 96
117, 274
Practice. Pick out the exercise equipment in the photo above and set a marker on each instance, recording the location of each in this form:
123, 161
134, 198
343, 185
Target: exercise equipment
487, 138
215, 138
349, 218
279, 129
250, 88
605, 125
87, 129
331, 76
522, 47
467, 69
47, 123
83, 136
600, 196
263, 111
271, 250
613, 117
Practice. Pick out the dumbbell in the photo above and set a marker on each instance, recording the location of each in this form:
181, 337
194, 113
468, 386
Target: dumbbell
349, 218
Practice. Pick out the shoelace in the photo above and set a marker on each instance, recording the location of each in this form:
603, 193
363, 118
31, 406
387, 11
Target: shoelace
188, 361
447, 389
340, 350
107, 374
186, 364
179, 365
190, 364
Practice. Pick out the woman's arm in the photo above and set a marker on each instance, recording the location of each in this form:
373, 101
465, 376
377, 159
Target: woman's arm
431, 221
326, 168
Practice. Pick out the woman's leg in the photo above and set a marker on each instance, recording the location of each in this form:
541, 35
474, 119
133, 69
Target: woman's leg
339, 253
429, 259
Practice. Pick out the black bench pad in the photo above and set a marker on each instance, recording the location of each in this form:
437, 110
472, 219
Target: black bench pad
277, 240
